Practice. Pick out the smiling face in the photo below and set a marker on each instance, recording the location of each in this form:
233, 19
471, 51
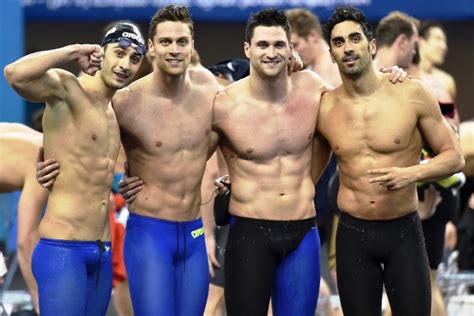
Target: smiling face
172, 47
269, 50
120, 65
350, 48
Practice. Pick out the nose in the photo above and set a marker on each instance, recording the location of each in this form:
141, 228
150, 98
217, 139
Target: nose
174, 48
271, 52
348, 47
124, 63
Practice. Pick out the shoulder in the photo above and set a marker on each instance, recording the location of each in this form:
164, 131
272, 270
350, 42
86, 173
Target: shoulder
308, 79
230, 97
202, 76
447, 80
131, 93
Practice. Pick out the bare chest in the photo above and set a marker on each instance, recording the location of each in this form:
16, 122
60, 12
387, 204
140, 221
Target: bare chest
265, 132
160, 124
382, 126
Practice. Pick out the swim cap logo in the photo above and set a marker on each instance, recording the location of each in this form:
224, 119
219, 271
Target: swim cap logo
133, 36
197, 232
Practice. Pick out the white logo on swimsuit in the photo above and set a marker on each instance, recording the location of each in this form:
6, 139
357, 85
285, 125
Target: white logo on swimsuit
197, 232
107, 248
134, 36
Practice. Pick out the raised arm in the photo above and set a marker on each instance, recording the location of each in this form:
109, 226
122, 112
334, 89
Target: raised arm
34, 78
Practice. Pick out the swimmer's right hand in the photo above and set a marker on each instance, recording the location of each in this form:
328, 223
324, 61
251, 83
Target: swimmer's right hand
130, 186
222, 184
46, 170
89, 58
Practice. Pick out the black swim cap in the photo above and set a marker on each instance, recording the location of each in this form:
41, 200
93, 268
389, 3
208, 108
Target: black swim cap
125, 34
232, 69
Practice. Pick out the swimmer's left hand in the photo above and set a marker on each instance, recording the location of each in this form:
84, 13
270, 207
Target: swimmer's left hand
392, 178
397, 74
296, 63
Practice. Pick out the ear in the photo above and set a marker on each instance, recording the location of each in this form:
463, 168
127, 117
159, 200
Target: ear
247, 49
332, 56
313, 36
373, 47
402, 41
151, 50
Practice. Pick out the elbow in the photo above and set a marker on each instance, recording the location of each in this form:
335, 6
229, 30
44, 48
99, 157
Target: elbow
9, 73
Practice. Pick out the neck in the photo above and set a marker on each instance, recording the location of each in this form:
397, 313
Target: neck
426, 65
168, 84
269, 88
97, 89
385, 57
364, 83
320, 56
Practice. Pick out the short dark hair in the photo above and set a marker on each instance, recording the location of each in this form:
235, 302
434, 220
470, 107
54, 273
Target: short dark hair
391, 26
425, 27
345, 13
174, 13
267, 17
302, 21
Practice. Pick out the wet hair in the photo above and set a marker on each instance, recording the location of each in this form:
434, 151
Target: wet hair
302, 21
425, 27
344, 13
267, 17
173, 13
391, 26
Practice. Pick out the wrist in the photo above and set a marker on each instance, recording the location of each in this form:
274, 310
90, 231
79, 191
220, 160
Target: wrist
73, 52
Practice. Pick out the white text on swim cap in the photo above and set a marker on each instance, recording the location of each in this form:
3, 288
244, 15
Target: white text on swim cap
134, 36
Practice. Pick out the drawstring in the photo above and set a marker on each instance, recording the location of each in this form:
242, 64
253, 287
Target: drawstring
100, 244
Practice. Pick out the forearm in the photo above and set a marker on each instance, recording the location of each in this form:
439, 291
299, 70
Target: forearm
35, 65
441, 166
25, 251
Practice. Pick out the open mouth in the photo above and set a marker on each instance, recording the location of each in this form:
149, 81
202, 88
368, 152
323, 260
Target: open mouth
271, 62
174, 61
121, 75
350, 59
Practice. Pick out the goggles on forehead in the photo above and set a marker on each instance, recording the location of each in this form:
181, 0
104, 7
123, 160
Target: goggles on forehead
125, 40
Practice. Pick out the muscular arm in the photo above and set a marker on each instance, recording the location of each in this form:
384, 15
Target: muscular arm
207, 208
440, 137
32, 201
33, 78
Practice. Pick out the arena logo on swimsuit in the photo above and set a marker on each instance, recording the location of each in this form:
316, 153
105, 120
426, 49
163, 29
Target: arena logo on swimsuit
197, 232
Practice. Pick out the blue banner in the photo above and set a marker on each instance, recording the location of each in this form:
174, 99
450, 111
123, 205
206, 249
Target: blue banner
236, 10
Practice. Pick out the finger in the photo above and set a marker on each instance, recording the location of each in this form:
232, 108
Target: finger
47, 185
45, 170
215, 262
133, 192
134, 186
378, 171
379, 179
49, 176
211, 270
129, 180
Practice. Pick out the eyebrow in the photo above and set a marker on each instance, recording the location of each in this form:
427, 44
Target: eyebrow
338, 38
